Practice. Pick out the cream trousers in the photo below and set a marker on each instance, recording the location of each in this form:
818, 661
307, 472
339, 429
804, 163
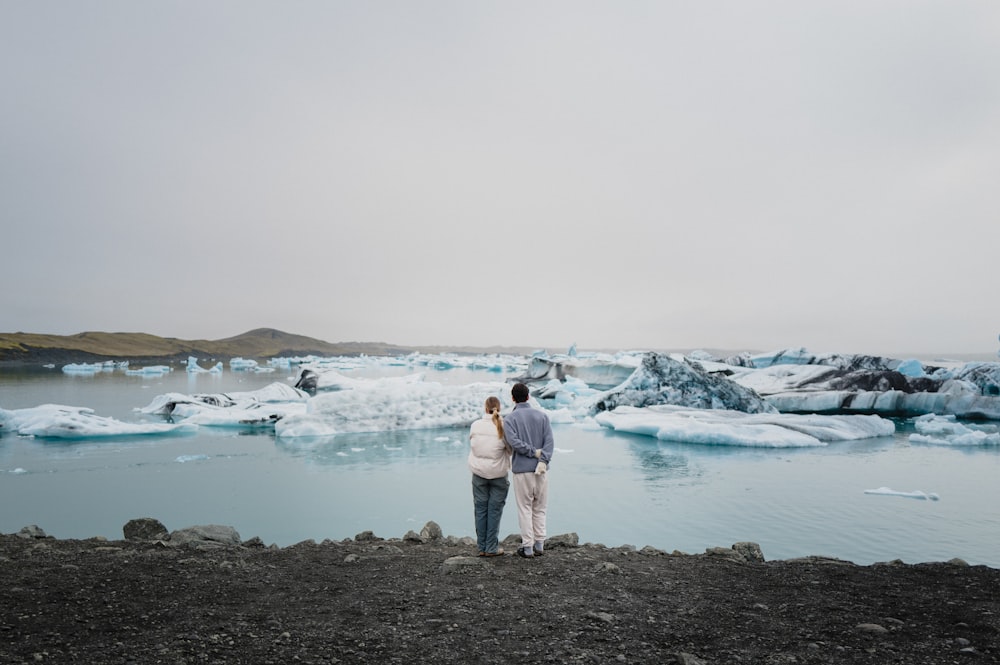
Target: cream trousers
531, 493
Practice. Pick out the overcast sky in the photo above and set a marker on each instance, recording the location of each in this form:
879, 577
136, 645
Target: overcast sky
740, 175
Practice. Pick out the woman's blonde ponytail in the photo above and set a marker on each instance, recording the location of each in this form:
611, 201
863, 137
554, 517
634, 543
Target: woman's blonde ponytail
493, 408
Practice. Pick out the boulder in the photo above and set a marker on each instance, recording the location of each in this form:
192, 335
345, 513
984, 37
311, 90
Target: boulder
145, 529
726, 553
205, 537
32, 531
431, 532
562, 540
460, 564
749, 551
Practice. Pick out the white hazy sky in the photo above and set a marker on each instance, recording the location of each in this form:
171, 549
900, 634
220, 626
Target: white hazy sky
665, 174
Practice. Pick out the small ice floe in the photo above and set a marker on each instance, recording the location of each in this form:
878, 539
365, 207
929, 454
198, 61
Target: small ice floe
947, 431
152, 370
18, 471
83, 368
357, 450
247, 364
194, 368
916, 494
564, 450
442, 439
391, 447
191, 458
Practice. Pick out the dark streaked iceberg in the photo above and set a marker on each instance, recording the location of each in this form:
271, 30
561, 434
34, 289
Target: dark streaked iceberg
661, 379
845, 384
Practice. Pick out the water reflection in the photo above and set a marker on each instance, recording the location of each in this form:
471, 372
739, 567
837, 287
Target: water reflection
658, 465
381, 449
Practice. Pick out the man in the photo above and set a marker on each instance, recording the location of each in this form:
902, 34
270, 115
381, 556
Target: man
529, 433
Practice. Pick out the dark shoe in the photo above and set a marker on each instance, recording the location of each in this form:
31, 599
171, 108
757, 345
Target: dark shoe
481, 554
539, 552
523, 553
499, 552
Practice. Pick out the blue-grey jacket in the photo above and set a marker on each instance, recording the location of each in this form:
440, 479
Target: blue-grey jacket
526, 430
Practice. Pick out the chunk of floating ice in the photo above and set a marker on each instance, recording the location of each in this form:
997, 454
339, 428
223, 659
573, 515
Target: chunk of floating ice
947, 431
191, 458
152, 370
917, 494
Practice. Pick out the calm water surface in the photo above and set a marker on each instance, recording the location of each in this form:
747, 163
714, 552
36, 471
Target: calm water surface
607, 487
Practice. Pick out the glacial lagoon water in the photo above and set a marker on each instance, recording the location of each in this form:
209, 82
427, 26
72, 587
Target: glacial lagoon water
608, 487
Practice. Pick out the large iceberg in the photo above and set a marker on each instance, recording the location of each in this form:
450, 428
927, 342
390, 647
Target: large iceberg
256, 408
734, 428
798, 382
320, 379
55, 421
599, 371
387, 406
661, 379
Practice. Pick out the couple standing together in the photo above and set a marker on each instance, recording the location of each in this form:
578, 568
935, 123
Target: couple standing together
521, 442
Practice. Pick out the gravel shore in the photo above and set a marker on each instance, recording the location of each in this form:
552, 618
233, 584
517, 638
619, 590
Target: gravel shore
425, 598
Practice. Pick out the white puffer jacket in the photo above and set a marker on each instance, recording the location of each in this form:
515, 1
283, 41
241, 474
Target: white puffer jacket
489, 457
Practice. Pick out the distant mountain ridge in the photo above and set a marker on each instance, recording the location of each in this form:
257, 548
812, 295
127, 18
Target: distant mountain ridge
24, 348
32, 348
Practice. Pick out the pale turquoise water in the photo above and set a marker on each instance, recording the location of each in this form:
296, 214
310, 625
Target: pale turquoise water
607, 487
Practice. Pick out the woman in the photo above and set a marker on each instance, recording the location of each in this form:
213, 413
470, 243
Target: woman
489, 461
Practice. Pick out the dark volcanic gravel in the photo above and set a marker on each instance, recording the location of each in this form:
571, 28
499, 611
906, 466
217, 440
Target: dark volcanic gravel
397, 601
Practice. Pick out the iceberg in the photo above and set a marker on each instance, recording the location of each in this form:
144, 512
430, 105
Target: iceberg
319, 379
599, 371
194, 368
242, 364
916, 494
247, 365
257, 408
735, 428
381, 406
799, 382
54, 421
152, 370
565, 393
947, 431
662, 379
183, 459
85, 368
